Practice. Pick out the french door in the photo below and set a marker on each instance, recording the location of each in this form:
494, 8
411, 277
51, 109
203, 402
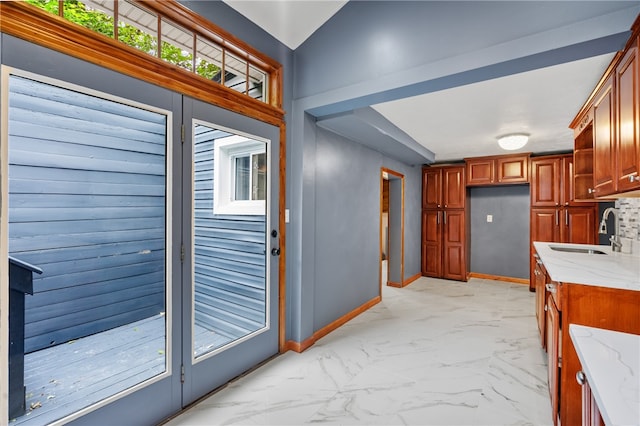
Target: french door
230, 240
152, 219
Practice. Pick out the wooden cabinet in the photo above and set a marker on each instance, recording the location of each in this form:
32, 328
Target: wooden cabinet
604, 141
432, 243
497, 170
607, 129
443, 187
546, 181
454, 245
540, 278
444, 223
553, 353
590, 412
627, 119
431, 188
555, 215
583, 164
592, 306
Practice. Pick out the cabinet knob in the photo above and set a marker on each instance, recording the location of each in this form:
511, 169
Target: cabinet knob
634, 178
551, 288
581, 378
591, 191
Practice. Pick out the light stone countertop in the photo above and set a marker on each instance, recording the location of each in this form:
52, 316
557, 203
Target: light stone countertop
611, 362
613, 270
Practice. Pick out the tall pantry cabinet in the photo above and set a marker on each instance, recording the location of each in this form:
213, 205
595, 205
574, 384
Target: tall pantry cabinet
556, 216
444, 223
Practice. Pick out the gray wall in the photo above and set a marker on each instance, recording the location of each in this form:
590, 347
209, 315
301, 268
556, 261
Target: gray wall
502, 246
347, 225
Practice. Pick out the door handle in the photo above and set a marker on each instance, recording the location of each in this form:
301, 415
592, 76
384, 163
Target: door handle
557, 218
275, 251
444, 215
437, 218
566, 217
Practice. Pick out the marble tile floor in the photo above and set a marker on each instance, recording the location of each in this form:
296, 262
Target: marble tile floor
436, 352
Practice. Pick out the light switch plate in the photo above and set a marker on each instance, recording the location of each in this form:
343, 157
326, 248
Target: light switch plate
489, 218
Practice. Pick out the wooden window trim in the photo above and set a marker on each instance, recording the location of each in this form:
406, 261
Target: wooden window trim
32, 24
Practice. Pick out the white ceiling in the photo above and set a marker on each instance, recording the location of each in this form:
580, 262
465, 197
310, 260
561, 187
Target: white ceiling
464, 121
289, 21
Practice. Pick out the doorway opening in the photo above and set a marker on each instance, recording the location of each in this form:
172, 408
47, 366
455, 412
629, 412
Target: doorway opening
391, 228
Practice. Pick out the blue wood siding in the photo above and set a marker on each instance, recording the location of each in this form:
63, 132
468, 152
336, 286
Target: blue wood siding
230, 292
87, 205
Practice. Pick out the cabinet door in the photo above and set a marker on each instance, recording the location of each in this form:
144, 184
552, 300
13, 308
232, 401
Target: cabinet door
628, 122
553, 333
432, 243
545, 225
512, 169
454, 253
540, 278
480, 172
431, 188
604, 141
578, 225
545, 182
454, 187
590, 413
567, 193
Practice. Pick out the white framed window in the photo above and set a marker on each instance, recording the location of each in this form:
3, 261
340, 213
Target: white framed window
240, 176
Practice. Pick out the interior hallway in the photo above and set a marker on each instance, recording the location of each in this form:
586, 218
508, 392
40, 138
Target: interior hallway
435, 352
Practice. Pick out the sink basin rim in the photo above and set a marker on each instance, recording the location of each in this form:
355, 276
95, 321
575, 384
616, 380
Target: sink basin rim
577, 250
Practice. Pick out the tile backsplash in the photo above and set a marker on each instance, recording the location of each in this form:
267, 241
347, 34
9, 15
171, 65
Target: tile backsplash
629, 217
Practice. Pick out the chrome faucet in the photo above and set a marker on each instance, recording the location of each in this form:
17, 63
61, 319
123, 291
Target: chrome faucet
616, 245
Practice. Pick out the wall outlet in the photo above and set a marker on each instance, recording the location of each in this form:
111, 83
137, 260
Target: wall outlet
489, 218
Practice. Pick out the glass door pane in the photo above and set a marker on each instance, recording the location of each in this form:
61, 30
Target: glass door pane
87, 246
229, 273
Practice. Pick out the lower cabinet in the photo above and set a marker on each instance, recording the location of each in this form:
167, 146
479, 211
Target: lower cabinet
590, 412
540, 279
444, 252
553, 354
592, 306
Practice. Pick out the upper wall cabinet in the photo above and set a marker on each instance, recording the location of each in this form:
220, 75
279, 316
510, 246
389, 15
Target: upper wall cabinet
604, 141
497, 170
443, 187
607, 130
627, 120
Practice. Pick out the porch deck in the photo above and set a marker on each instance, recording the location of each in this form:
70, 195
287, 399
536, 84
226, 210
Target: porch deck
66, 378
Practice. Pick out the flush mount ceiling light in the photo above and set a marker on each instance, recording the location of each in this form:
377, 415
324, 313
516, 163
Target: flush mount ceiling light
513, 141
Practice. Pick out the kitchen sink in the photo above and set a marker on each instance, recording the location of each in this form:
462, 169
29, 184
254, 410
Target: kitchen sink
577, 250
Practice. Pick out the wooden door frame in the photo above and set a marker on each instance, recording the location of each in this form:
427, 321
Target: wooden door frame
384, 173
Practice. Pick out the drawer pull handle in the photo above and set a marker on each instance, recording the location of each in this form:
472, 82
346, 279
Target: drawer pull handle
580, 378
